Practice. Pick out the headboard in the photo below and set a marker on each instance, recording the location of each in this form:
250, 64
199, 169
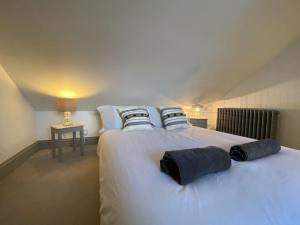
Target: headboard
252, 123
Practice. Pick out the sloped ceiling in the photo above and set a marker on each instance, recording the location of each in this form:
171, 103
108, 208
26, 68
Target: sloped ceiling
140, 51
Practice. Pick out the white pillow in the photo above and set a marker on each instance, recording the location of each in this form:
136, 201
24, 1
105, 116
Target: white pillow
154, 115
136, 119
173, 118
110, 118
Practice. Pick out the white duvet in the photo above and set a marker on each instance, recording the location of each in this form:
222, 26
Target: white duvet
133, 191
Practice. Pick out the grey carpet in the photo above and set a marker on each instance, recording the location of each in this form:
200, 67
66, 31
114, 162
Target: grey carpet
44, 192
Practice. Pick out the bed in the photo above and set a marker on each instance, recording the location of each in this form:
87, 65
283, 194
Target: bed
133, 190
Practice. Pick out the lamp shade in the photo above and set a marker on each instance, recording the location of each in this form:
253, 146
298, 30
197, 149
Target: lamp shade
66, 104
197, 107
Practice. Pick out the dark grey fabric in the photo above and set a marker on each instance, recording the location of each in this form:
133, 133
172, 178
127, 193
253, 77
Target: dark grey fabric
137, 123
185, 166
254, 150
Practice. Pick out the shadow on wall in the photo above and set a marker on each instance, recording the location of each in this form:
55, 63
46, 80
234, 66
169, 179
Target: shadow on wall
281, 69
289, 127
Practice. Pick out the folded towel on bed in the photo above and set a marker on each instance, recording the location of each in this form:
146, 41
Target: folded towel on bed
254, 150
187, 165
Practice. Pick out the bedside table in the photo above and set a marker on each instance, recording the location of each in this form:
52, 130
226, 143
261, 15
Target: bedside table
199, 122
60, 130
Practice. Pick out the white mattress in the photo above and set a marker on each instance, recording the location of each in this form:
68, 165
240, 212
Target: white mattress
133, 191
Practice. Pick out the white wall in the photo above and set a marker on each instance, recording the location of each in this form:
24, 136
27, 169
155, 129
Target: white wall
44, 119
17, 119
276, 86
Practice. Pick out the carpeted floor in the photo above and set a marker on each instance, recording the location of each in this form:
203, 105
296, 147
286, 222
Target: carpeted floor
44, 192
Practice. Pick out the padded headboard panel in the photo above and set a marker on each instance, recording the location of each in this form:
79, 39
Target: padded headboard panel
252, 123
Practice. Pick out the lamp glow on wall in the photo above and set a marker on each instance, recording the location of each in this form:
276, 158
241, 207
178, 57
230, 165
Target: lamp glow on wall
67, 106
197, 109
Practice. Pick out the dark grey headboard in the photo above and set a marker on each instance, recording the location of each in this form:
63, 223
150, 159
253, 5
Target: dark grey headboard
253, 123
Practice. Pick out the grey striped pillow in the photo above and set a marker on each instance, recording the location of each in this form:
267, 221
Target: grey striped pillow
173, 118
136, 119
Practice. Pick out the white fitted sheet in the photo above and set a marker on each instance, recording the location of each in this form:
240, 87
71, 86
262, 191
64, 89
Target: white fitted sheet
133, 191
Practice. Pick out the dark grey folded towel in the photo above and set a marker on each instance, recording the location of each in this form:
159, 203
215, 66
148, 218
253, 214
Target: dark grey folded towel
254, 150
187, 165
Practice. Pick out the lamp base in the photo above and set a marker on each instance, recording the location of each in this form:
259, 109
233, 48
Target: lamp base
67, 124
68, 119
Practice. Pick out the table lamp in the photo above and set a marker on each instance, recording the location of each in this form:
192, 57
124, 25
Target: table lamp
197, 107
196, 111
66, 105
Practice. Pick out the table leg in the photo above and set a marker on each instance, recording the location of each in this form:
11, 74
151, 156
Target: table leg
81, 143
53, 145
60, 149
74, 141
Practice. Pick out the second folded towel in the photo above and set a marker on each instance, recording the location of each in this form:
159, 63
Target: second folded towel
187, 165
254, 150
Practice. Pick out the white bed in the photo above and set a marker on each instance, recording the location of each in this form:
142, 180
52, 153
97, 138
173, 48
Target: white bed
133, 191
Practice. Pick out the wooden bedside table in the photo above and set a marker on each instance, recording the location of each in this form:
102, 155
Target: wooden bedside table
199, 122
60, 130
